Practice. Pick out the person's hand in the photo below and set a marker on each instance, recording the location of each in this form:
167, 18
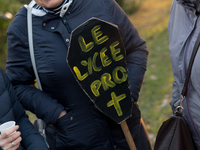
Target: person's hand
62, 114
9, 139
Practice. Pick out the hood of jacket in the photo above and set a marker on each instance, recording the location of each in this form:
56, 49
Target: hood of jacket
190, 3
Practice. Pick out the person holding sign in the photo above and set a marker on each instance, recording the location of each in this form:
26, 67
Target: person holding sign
74, 121
11, 110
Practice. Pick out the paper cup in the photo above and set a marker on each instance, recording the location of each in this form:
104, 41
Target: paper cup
6, 125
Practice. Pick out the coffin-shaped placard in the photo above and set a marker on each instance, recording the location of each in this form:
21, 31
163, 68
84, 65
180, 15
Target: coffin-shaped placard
96, 56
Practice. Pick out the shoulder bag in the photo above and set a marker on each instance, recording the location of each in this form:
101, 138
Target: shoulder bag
174, 134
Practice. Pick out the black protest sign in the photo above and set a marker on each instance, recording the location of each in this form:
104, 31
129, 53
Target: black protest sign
96, 56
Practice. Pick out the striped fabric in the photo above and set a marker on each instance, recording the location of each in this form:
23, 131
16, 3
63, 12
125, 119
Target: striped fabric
55, 11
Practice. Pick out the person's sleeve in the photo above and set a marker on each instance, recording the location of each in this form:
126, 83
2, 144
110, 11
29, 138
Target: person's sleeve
21, 75
136, 50
31, 139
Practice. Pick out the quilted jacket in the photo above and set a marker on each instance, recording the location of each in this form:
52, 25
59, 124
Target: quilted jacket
11, 109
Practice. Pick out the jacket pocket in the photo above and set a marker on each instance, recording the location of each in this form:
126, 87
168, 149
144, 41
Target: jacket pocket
64, 136
176, 97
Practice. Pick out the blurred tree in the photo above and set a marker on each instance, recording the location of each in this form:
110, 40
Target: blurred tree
129, 6
120, 2
8, 9
24, 1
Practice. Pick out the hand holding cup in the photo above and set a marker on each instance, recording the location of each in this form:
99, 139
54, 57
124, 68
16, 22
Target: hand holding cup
9, 138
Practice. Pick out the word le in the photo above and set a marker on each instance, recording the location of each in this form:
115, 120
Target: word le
105, 80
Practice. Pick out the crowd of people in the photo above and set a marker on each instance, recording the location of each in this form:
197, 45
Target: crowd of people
71, 118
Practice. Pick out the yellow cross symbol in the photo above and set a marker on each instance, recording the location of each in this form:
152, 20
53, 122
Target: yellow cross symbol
115, 101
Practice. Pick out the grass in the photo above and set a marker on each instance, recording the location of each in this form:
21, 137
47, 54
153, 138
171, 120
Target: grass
3, 60
151, 20
157, 87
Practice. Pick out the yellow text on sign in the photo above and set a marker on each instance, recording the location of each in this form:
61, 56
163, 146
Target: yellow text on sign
101, 58
92, 61
96, 34
106, 81
115, 102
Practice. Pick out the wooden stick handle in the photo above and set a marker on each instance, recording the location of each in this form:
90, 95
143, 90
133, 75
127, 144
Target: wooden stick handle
128, 136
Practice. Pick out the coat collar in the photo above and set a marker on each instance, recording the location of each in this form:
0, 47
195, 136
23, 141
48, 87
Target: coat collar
75, 6
190, 3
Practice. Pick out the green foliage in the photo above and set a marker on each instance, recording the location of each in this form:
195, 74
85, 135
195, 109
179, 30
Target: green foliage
8, 9
132, 6
129, 6
152, 23
120, 2
157, 87
24, 1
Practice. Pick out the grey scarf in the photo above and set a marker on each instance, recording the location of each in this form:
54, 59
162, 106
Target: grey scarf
191, 3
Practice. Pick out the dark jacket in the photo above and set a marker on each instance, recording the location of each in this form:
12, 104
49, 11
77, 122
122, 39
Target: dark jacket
11, 109
84, 125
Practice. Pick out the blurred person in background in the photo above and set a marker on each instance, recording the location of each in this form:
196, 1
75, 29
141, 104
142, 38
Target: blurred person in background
184, 28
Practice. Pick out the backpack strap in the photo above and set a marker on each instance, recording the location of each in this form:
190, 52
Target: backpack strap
30, 40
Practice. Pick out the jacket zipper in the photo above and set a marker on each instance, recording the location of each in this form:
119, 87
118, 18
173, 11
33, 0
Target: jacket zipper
186, 52
185, 65
66, 24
